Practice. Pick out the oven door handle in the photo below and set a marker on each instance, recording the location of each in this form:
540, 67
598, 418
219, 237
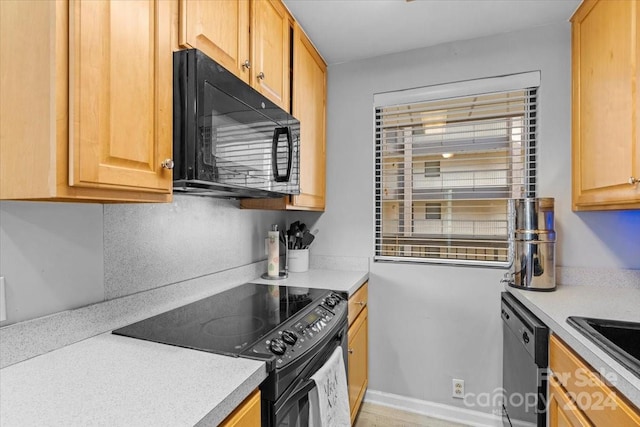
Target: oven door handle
302, 389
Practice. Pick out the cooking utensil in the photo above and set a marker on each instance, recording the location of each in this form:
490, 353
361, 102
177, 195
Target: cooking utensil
307, 239
298, 243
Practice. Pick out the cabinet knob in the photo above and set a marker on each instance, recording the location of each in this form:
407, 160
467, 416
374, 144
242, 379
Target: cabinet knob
350, 351
633, 181
167, 164
361, 303
246, 64
260, 75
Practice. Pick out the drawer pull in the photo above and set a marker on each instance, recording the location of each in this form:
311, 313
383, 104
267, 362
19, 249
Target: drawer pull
361, 303
633, 181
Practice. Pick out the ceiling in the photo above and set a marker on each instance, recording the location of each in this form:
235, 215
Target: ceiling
347, 30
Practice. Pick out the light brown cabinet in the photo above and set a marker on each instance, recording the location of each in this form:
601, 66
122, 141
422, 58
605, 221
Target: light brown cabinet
86, 101
358, 338
562, 411
606, 105
247, 414
271, 51
578, 395
250, 38
220, 29
309, 106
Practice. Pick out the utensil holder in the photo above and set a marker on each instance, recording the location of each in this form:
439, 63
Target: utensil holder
298, 260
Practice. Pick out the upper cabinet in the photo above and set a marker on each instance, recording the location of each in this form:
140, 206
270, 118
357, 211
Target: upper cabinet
249, 38
606, 105
120, 69
270, 51
86, 101
220, 29
309, 106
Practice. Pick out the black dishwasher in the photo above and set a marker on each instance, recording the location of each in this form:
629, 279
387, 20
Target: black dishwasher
525, 359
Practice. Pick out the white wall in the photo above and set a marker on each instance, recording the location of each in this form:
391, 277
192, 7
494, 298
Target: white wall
60, 256
429, 324
50, 257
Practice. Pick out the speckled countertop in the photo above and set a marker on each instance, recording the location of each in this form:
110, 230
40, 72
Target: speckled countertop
118, 381
84, 376
605, 302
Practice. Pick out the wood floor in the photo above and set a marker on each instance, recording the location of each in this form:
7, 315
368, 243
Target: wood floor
382, 416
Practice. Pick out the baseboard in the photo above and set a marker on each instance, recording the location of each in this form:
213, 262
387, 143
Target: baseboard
432, 409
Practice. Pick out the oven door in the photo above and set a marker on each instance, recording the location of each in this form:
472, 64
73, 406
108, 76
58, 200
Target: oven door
292, 407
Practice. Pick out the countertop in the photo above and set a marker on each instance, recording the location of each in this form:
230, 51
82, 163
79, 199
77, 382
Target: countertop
606, 302
118, 381
112, 380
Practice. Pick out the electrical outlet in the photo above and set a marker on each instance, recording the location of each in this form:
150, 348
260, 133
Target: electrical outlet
3, 301
458, 388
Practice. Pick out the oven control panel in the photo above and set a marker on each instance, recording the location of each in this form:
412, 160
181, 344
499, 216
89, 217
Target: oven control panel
292, 339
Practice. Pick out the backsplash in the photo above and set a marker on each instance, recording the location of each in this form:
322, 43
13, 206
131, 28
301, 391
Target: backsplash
609, 277
155, 244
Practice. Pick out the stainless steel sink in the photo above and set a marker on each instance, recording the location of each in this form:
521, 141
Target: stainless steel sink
620, 340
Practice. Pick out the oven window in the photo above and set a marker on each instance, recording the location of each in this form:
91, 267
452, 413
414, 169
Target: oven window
296, 415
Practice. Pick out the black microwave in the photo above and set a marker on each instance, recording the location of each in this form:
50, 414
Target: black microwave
228, 139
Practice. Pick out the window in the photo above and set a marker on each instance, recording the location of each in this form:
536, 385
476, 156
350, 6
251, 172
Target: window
447, 160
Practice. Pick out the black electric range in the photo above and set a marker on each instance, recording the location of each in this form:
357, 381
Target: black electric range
293, 330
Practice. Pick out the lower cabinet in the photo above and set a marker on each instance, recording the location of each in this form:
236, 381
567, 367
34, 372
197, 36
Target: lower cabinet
247, 414
562, 411
358, 349
578, 397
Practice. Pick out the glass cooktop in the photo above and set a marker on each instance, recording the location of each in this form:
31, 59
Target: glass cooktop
227, 322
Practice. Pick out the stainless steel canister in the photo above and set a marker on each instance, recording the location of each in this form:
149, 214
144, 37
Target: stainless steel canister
534, 240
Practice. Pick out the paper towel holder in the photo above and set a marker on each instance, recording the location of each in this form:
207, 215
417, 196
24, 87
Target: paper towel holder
282, 274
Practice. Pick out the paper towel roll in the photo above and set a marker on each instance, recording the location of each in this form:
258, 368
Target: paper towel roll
273, 252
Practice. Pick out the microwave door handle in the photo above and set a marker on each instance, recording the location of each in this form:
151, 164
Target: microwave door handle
290, 159
274, 154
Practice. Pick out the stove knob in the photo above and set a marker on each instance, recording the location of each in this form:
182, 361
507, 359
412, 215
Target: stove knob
289, 337
277, 346
330, 301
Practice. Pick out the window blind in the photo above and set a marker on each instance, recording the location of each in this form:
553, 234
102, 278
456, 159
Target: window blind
444, 172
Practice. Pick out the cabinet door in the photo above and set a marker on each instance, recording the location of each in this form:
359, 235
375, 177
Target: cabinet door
121, 94
358, 361
247, 414
605, 106
220, 29
309, 106
562, 412
270, 36
591, 397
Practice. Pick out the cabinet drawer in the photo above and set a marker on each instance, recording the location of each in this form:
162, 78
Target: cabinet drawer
358, 301
602, 404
